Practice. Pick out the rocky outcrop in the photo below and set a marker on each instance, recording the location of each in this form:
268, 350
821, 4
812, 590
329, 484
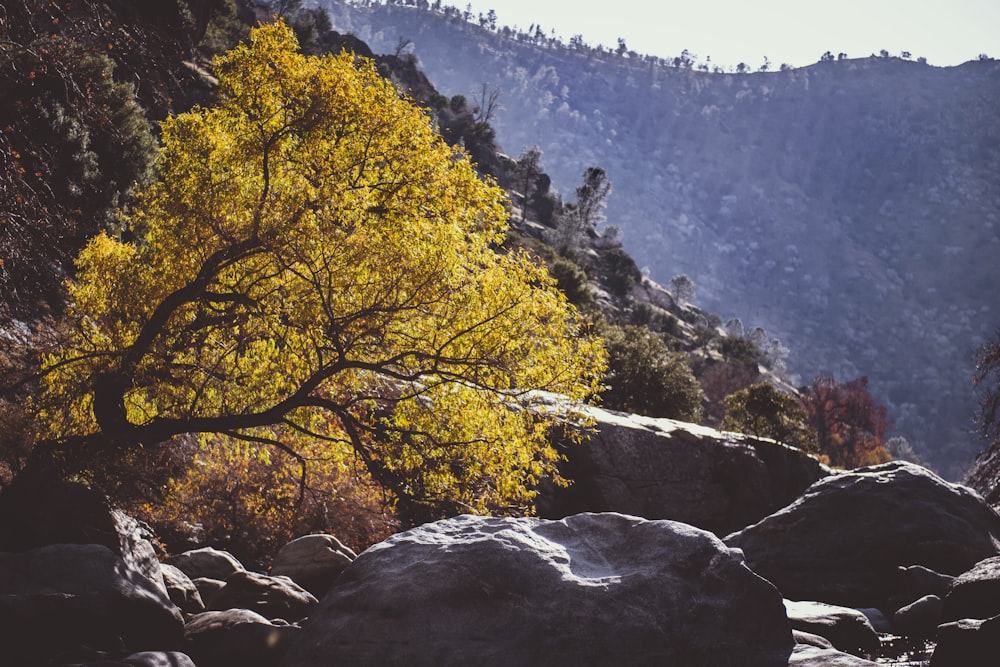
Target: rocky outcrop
844, 539
588, 590
665, 469
313, 562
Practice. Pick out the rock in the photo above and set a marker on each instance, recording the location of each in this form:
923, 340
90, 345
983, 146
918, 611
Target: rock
236, 637
208, 588
273, 597
976, 593
206, 562
917, 581
159, 659
182, 590
806, 655
802, 637
313, 562
33, 515
847, 629
878, 620
844, 539
592, 589
918, 619
666, 469
968, 643
61, 596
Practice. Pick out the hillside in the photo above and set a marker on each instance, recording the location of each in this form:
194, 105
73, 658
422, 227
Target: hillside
850, 207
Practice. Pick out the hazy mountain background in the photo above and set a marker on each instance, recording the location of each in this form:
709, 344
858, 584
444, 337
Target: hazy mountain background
852, 208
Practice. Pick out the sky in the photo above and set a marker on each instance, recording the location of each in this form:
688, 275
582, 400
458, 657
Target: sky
796, 32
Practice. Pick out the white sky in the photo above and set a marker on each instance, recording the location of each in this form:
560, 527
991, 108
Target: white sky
797, 32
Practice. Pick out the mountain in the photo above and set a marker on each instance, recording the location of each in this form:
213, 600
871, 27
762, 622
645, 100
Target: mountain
852, 208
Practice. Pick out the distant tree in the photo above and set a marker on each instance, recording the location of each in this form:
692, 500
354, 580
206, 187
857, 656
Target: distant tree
734, 327
592, 196
905, 55
827, 57
719, 380
850, 426
529, 168
682, 288
900, 449
883, 53
763, 411
645, 376
491, 19
741, 68
622, 48
487, 103
841, 56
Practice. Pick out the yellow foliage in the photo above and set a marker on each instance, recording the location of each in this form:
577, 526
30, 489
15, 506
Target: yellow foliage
316, 265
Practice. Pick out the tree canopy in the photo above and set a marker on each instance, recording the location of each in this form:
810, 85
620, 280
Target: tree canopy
314, 264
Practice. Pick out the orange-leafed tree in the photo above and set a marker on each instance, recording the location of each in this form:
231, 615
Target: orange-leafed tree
850, 426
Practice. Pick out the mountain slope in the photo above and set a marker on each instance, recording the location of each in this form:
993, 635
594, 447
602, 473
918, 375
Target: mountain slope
851, 207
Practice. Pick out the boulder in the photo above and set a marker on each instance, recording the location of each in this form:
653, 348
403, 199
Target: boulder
591, 589
844, 539
208, 588
61, 596
878, 620
273, 597
918, 619
313, 562
968, 643
806, 655
182, 590
802, 637
666, 469
206, 562
976, 593
916, 581
847, 629
236, 637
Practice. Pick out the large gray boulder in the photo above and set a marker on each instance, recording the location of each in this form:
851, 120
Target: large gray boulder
207, 562
807, 655
968, 643
273, 597
313, 562
58, 597
592, 589
844, 539
847, 629
666, 469
237, 637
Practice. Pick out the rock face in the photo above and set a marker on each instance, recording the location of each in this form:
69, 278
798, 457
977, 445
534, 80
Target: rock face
313, 562
592, 589
844, 539
62, 596
665, 469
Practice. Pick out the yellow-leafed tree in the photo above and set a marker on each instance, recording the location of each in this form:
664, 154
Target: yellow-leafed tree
315, 265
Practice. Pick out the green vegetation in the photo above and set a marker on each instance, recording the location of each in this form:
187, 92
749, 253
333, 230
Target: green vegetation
763, 411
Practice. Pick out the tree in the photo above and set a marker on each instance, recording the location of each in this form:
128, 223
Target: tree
850, 426
592, 196
529, 169
682, 288
764, 412
647, 377
316, 265
985, 474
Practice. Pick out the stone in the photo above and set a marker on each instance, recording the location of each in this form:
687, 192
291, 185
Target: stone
802, 637
182, 590
313, 562
206, 562
62, 596
806, 655
586, 590
159, 659
919, 618
968, 643
844, 539
236, 637
666, 469
878, 620
917, 581
272, 597
847, 629
976, 593
208, 588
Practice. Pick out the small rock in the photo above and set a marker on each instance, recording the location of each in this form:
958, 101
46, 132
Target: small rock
803, 637
206, 562
208, 588
847, 629
878, 620
159, 659
806, 655
313, 562
273, 597
918, 619
182, 590
976, 593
